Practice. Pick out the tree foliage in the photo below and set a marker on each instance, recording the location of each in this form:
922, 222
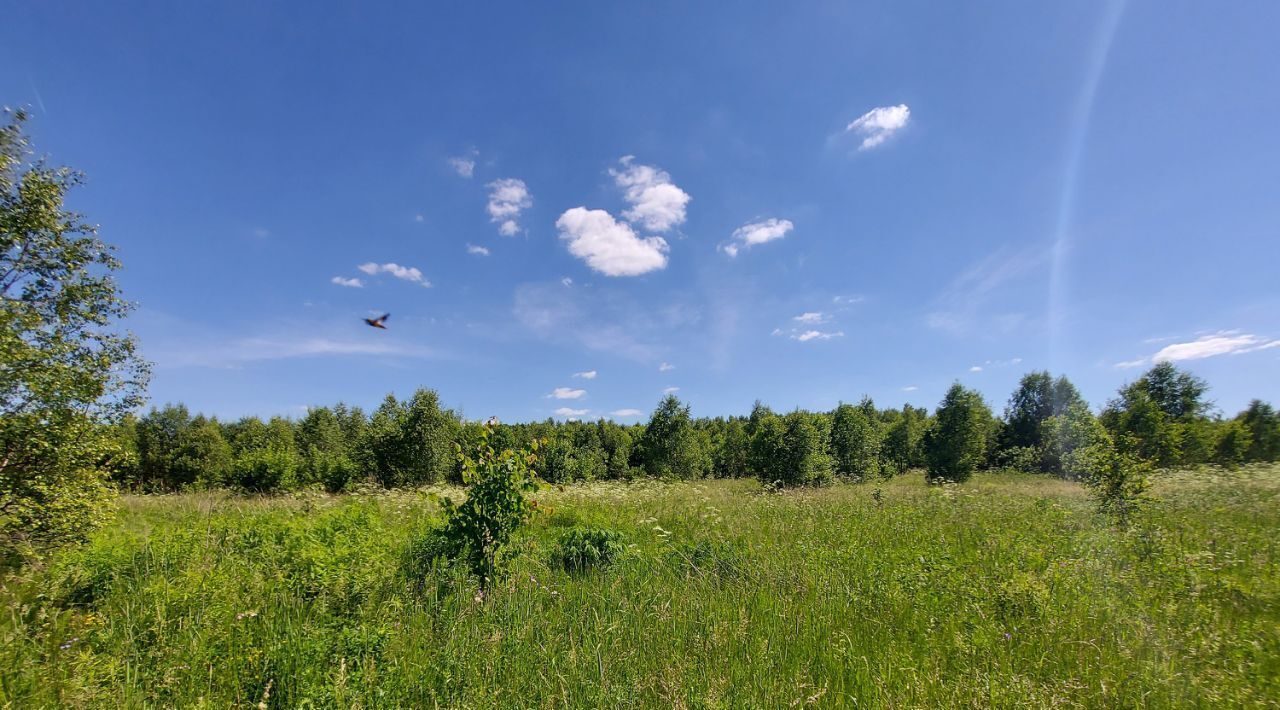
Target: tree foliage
956, 443
66, 370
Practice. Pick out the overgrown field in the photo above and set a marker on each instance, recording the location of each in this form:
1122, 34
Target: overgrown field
1007, 591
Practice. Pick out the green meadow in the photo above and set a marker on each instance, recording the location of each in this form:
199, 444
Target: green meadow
1007, 591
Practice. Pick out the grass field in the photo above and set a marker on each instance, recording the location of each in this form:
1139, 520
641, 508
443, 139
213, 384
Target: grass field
1007, 591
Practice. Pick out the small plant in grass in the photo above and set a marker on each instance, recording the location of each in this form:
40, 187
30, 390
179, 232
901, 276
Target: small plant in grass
583, 547
478, 530
1116, 477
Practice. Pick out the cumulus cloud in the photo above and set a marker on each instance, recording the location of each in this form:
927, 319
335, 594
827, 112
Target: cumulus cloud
808, 335
878, 124
567, 393
609, 246
811, 317
666, 366
751, 234
404, 273
569, 412
1226, 342
477, 250
626, 412
656, 203
508, 197
586, 375
349, 283
464, 166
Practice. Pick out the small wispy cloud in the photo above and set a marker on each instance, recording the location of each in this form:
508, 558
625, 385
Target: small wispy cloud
808, 335
753, 233
964, 304
626, 412
404, 273
508, 197
464, 165
570, 412
976, 368
670, 390
666, 367
567, 393
1224, 342
477, 250
566, 281
848, 300
586, 375
811, 317
349, 283
910, 388
879, 124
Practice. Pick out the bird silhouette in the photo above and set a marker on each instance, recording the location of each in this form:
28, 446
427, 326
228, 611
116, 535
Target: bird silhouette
378, 322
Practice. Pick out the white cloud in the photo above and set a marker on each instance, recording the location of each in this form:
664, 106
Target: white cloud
1226, 342
569, 412
808, 335
508, 197
910, 388
609, 246
811, 317
349, 283
878, 124
567, 393
405, 273
665, 367
965, 304
477, 250
465, 166
626, 412
670, 390
419, 218
749, 235
566, 281
587, 375
656, 202
848, 300
976, 368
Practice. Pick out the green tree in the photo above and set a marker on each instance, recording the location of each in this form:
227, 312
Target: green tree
805, 457
409, 443
66, 371
732, 449
1062, 435
1140, 426
1037, 398
956, 443
1232, 442
1264, 431
856, 442
670, 446
903, 440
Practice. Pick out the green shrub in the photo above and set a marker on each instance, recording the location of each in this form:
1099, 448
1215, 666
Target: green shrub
583, 547
478, 530
263, 471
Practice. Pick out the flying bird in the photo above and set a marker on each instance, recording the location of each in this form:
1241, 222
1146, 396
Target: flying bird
378, 322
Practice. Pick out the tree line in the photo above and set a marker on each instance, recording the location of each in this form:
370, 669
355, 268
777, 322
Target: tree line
1162, 419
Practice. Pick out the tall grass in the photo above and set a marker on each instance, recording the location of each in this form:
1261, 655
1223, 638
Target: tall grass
1007, 591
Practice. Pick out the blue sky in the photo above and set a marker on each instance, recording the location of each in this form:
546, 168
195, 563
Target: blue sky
798, 202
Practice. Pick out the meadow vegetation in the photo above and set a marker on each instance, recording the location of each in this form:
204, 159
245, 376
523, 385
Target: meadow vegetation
1011, 590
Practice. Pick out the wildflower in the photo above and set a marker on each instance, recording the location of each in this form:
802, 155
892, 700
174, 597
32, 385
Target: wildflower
246, 615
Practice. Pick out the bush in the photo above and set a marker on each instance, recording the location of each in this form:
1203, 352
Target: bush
478, 530
583, 547
264, 471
